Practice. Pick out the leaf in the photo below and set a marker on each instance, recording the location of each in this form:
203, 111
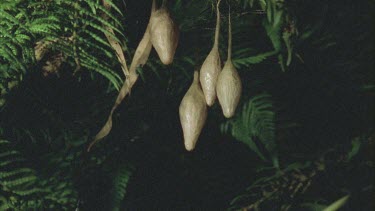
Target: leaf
109, 14
313, 206
278, 18
269, 11
247, 61
274, 34
92, 6
337, 204
356, 145
113, 6
106, 74
139, 59
288, 44
263, 4
97, 47
23, 182
8, 16
256, 119
102, 29
120, 182
102, 21
281, 62
96, 37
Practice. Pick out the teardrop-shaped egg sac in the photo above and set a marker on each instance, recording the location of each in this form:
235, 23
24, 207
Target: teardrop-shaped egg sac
209, 73
193, 113
211, 66
164, 35
229, 88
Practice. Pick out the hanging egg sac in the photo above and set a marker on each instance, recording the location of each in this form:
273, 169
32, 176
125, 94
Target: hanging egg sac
193, 113
209, 73
164, 34
229, 88
211, 66
229, 85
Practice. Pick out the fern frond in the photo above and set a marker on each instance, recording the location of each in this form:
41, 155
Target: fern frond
6, 15
109, 14
103, 21
99, 48
7, 53
22, 38
45, 20
256, 121
247, 61
23, 184
120, 183
274, 33
46, 28
114, 6
101, 29
92, 63
96, 37
13, 180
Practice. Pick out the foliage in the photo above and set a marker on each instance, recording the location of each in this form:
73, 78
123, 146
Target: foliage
255, 122
289, 187
303, 124
22, 188
120, 183
43, 163
76, 31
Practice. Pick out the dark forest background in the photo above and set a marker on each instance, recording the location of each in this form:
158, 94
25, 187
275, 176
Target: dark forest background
302, 137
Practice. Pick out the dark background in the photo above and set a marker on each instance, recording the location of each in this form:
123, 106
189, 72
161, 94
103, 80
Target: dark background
325, 99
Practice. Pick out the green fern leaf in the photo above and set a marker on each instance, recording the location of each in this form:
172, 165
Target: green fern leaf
120, 183
95, 65
109, 76
256, 120
100, 28
103, 21
247, 61
9, 17
26, 188
274, 34
97, 47
109, 14
44, 28
114, 6
97, 38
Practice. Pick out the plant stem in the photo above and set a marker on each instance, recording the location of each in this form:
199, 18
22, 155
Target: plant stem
217, 30
229, 38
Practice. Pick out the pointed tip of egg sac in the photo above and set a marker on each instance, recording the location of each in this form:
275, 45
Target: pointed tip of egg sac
228, 113
210, 101
190, 140
166, 59
189, 146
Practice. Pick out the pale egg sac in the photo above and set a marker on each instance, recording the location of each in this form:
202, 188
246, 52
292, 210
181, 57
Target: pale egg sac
211, 66
164, 34
193, 113
229, 85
